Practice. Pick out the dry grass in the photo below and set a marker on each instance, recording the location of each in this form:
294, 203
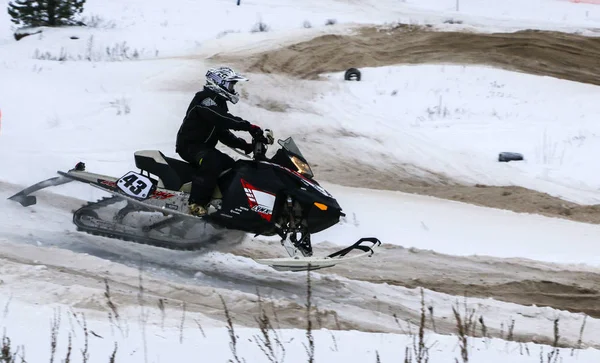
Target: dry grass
54, 327
6, 351
310, 349
113, 356
580, 339
418, 352
552, 356
182, 324
269, 339
113, 312
233, 339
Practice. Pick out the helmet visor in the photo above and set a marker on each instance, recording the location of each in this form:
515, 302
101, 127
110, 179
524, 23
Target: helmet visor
229, 86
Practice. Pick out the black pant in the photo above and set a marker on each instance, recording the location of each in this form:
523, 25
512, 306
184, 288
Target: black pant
211, 162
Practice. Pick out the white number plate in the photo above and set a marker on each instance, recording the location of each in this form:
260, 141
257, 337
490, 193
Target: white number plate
135, 185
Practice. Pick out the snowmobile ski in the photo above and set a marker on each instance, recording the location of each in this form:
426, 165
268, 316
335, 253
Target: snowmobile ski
300, 263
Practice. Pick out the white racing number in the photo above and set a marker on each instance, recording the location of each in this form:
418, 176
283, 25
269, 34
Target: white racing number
135, 185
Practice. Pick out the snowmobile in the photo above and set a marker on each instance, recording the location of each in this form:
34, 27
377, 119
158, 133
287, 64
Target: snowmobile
275, 196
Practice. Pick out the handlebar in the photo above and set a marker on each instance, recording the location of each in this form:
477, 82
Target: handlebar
260, 144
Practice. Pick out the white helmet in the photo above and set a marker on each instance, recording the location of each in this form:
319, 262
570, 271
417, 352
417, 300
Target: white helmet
222, 81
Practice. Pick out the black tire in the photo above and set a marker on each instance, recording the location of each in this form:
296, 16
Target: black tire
509, 156
352, 74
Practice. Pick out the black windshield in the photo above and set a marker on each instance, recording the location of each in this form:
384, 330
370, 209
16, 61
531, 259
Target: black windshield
289, 145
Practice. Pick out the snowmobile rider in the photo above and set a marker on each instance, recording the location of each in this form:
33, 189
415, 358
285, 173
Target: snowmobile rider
207, 122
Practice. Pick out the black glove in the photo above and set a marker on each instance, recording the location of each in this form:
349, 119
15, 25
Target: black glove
248, 148
256, 131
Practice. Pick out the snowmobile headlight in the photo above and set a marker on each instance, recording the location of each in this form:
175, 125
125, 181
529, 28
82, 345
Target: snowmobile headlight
303, 167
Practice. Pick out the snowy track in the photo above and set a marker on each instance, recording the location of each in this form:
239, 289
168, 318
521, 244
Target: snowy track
373, 295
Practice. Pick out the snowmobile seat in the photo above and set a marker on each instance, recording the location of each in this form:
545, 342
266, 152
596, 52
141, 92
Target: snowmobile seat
172, 172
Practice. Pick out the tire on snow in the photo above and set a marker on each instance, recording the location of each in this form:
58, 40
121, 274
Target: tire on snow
352, 74
509, 156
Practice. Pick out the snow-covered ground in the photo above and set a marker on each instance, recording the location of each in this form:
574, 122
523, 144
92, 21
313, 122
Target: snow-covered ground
183, 26
537, 14
439, 225
73, 283
179, 338
124, 84
457, 119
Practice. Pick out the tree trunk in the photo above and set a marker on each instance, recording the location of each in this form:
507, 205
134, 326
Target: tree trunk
52, 7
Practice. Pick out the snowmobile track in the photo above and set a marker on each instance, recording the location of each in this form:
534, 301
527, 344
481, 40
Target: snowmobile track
90, 208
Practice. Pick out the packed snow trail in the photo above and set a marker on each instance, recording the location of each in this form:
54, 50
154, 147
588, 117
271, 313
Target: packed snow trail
371, 295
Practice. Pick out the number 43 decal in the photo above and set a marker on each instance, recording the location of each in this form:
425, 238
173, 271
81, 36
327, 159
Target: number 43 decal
136, 185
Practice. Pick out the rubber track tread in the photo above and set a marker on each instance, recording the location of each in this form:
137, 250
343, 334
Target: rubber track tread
106, 201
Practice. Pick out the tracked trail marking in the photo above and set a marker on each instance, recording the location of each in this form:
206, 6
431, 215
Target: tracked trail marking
548, 53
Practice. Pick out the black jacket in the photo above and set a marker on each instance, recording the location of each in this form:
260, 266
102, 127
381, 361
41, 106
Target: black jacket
207, 122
